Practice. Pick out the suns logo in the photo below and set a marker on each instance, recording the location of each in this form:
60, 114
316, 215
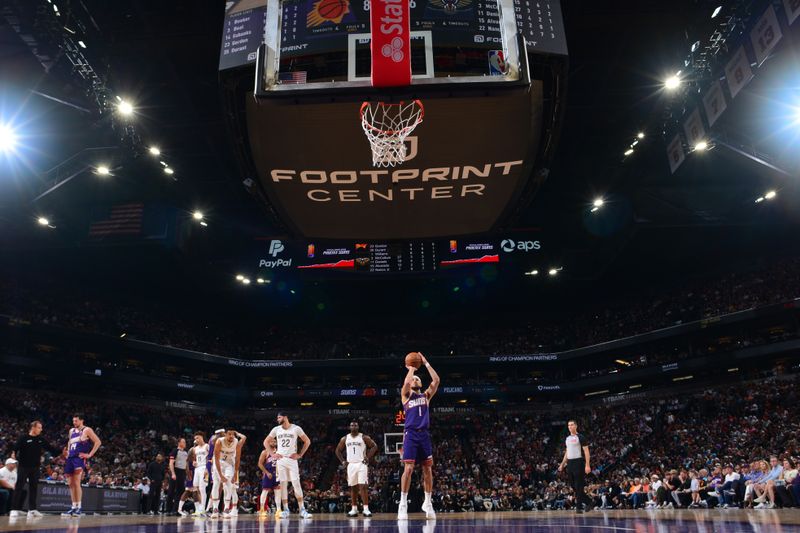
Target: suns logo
327, 11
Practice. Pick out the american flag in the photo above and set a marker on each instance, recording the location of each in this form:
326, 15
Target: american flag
293, 77
120, 220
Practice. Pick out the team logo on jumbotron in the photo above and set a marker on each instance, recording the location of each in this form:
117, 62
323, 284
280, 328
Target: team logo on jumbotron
323, 11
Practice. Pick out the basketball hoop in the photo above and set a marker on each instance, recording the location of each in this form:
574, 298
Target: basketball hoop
387, 126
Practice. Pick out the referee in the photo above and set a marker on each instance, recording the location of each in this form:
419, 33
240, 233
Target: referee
29, 448
576, 459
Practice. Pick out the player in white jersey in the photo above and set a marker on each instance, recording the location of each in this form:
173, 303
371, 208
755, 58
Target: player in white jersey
284, 437
213, 501
227, 456
360, 450
200, 481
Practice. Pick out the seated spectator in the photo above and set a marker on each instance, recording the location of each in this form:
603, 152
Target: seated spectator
779, 491
8, 480
758, 471
764, 488
727, 490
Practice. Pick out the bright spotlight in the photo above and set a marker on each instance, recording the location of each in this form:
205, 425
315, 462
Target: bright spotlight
169, 171
125, 108
672, 83
82, 44
154, 150
260, 281
770, 195
640, 135
246, 281
239, 277
533, 272
8, 139
598, 202
103, 170
759, 199
43, 221
197, 215
553, 271
594, 209
716, 12
629, 151
701, 146
203, 223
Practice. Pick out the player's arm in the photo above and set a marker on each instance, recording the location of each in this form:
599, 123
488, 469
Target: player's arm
242, 439
434, 386
172, 465
192, 459
95, 441
262, 460
586, 454
269, 440
217, 450
563, 462
306, 445
340, 449
372, 448
405, 391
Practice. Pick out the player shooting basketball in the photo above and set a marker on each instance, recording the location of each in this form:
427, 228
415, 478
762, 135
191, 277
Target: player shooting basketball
417, 448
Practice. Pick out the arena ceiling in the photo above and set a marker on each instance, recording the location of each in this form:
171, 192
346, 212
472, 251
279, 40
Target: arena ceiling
164, 55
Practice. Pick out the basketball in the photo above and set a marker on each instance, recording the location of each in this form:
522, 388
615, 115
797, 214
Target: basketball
332, 9
414, 359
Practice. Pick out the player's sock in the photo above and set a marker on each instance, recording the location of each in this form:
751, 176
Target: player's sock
355, 508
285, 505
302, 505
366, 508
428, 498
403, 498
263, 499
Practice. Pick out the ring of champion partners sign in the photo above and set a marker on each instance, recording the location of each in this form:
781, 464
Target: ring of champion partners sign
396, 176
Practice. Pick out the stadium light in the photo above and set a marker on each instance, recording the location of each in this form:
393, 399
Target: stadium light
260, 281
102, 170
125, 108
759, 199
628, 152
168, 171
770, 195
204, 223
716, 12
197, 215
598, 202
554, 271
154, 150
533, 272
8, 138
239, 277
701, 146
82, 44
672, 82
43, 221
246, 281
640, 135
637, 386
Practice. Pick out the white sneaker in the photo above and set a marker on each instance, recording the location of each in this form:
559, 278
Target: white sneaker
15, 514
761, 505
353, 512
366, 513
770, 505
286, 513
183, 513
429, 512
402, 512
305, 514
234, 511
762, 499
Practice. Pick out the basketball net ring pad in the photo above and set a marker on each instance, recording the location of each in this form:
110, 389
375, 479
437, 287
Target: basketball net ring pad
387, 126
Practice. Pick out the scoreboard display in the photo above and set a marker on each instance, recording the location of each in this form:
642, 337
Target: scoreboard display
311, 27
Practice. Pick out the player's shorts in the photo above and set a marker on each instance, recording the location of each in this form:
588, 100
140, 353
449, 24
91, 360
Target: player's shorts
198, 480
227, 471
73, 464
417, 447
356, 474
288, 469
269, 483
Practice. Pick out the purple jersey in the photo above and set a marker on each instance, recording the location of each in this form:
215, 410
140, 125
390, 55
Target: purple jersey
76, 445
416, 410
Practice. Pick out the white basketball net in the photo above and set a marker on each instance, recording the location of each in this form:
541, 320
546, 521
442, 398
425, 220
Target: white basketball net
387, 126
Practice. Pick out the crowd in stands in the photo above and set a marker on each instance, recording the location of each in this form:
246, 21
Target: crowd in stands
734, 445
626, 316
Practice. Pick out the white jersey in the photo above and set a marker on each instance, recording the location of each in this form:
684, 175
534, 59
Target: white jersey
227, 451
201, 455
287, 438
356, 448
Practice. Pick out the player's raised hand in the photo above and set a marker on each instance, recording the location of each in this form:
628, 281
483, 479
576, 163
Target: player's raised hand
411, 368
424, 359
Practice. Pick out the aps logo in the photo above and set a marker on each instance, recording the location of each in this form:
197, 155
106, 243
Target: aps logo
509, 245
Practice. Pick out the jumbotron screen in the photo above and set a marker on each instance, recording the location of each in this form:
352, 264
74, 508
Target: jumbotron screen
413, 256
